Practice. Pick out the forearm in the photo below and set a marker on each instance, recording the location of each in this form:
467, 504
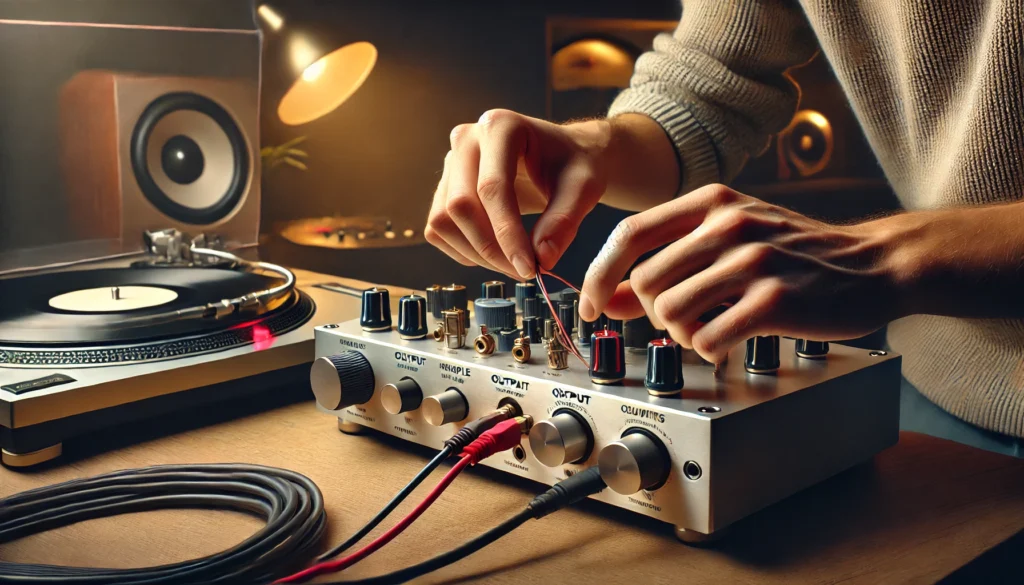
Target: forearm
641, 164
964, 262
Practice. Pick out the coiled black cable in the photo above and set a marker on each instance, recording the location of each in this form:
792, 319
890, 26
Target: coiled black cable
290, 503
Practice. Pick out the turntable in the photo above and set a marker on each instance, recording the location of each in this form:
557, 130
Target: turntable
102, 343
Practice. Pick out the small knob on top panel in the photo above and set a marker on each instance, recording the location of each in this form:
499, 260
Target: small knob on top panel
434, 300
563, 438
584, 329
525, 290
341, 380
532, 329
493, 289
507, 339
447, 407
812, 350
637, 461
412, 317
607, 357
496, 314
376, 314
531, 307
402, 396
762, 355
637, 333
664, 368
454, 296
567, 315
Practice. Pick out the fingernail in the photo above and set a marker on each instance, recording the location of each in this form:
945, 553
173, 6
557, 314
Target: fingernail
523, 266
546, 250
586, 308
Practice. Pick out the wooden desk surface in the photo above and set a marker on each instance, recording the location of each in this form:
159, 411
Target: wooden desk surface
916, 513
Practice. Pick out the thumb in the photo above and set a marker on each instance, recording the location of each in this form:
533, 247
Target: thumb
574, 194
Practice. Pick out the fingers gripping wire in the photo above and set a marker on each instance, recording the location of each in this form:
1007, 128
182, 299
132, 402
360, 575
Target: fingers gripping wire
564, 334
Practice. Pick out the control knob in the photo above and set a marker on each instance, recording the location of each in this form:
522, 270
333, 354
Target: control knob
637, 333
454, 296
493, 289
584, 329
447, 407
412, 317
762, 355
507, 339
525, 290
812, 350
342, 380
563, 438
434, 300
567, 315
664, 368
637, 461
532, 329
376, 314
607, 357
496, 314
401, 396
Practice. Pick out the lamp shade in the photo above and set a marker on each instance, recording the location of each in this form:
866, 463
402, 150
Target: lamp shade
327, 83
323, 80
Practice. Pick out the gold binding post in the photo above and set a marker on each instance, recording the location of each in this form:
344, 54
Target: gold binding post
454, 328
484, 343
521, 350
558, 355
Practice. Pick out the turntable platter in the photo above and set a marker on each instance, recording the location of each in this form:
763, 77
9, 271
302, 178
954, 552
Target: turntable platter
79, 308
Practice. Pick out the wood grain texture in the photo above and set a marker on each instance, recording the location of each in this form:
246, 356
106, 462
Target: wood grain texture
913, 515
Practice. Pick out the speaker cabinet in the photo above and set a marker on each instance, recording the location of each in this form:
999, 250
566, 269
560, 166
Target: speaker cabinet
142, 152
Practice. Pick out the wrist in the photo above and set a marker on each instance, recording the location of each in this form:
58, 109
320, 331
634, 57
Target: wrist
641, 162
905, 261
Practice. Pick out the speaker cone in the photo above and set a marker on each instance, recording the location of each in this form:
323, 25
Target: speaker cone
190, 158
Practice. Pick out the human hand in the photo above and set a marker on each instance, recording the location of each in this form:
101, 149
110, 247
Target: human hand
507, 165
781, 273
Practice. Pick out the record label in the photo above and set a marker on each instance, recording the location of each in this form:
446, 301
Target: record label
110, 299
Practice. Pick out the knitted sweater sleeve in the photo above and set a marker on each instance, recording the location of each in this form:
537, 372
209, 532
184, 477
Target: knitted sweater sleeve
718, 84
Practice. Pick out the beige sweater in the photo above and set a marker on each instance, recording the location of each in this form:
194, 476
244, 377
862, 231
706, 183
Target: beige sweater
938, 86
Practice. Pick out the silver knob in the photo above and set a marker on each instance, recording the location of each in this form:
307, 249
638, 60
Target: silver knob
401, 396
561, 439
341, 380
447, 407
635, 462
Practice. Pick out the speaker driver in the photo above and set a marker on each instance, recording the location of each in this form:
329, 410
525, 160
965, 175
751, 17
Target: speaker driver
190, 158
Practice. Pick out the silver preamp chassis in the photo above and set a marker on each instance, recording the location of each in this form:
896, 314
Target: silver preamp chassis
738, 442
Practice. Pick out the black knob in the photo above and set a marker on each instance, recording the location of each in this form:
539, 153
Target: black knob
607, 357
496, 314
762, 355
567, 315
341, 380
637, 333
568, 295
531, 329
493, 289
434, 300
812, 350
543, 311
507, 338
402, 396
376, 310
664, 367
412, 317
531, 307
524, 290
453, 296
584, 329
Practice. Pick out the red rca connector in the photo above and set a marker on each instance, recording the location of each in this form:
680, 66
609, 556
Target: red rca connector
502, 437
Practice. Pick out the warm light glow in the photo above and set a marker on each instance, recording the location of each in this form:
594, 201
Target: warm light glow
327, 83
816, 118
269, 16
590, 63
314, 71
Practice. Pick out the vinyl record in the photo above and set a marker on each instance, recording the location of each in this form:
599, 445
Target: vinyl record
68, 308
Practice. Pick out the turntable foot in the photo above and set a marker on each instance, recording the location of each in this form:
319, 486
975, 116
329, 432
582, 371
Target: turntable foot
29, 459
694, 538
350, 428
